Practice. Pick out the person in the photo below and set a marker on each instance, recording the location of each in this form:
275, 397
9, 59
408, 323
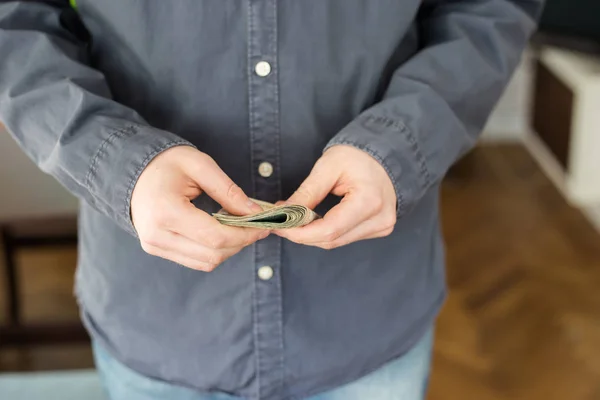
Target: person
158, 113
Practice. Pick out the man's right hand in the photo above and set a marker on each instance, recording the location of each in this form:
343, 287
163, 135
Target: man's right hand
171, 227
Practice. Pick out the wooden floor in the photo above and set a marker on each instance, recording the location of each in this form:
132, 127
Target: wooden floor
523, 317
522, 320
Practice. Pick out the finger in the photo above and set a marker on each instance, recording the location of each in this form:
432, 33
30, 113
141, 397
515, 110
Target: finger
370, 229
220, 187
315, 187
202, 228
178, 258
176, 243
348, 214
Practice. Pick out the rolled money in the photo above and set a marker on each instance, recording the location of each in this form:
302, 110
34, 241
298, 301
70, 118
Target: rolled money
271, 217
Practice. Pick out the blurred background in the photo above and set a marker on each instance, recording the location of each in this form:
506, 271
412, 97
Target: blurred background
521, 215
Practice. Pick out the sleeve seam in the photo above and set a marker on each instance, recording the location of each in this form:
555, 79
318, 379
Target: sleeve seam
416, 150
411, 140
388, 122
116, 134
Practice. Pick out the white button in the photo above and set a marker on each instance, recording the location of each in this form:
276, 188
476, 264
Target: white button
265, 169
265, 273
262, 68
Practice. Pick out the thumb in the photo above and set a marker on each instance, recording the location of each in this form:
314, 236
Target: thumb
315, 187
212, 180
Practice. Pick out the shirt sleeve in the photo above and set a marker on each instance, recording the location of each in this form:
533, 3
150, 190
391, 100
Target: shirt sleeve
437, 102
60, 110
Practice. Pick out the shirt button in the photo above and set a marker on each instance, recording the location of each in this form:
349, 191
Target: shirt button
262, 68
265, 169
265, 273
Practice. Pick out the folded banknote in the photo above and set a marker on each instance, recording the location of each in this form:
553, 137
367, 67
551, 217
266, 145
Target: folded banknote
271, 217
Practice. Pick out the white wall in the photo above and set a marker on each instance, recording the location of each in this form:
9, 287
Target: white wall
510, 120
24, 189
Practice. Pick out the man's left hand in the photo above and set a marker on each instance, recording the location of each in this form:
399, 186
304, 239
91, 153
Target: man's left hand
368, 207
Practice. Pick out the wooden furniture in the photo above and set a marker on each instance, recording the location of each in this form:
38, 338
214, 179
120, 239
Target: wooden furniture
21, 234
566, 121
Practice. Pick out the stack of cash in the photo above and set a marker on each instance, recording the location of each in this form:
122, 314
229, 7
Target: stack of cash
271, 217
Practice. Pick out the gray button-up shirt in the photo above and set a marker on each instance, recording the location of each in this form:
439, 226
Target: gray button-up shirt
262, 86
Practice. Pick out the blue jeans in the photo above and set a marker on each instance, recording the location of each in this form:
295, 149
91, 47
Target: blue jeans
404, 379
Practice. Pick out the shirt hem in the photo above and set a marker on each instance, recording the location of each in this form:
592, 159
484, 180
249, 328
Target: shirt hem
97, 336
424, 325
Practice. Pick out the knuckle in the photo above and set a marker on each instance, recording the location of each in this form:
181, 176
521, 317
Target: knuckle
386, 232
216, 241
202, 236
200, 266
161, 216
371, 201
209, 267
377, 203
365, 203
216, 258
332, 236
148, 248
390, 220
152, 238
328, 245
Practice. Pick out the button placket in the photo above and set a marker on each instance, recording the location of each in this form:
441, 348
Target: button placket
263, 92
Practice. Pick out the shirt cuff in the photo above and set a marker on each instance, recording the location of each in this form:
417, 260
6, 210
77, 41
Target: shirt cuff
395, 148
119, 162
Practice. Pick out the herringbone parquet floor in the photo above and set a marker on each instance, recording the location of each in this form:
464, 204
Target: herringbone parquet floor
522, 320
523, 317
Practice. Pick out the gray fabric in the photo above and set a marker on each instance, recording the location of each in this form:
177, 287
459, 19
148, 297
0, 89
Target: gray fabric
410, 82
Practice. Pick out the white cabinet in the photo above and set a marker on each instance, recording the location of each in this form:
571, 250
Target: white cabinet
566, 121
